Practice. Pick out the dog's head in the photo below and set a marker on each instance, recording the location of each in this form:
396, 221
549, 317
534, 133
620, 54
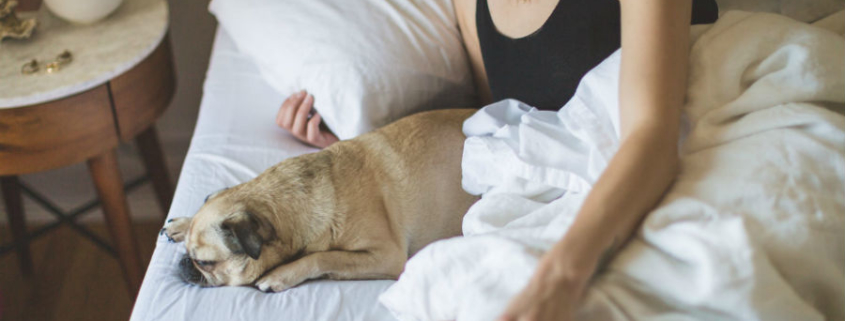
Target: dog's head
242, 232
230, 241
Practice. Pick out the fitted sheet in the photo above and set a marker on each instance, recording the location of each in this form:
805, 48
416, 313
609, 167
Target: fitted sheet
236, 139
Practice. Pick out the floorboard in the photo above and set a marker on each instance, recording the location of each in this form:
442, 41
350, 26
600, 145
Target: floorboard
73, 278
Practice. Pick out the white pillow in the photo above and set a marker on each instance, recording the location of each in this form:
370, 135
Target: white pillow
367, 62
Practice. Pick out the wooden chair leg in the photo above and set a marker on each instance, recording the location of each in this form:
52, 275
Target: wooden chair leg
156, 166
109, 185
17, 222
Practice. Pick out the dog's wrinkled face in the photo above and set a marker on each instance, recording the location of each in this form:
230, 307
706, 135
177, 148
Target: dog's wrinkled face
226, 243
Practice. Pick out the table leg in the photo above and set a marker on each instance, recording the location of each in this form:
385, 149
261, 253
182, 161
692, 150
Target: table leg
17, 222
156, 167
109, 185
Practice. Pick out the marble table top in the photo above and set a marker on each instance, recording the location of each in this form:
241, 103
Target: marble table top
101, 51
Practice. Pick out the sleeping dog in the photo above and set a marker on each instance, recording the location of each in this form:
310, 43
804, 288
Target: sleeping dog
356, 210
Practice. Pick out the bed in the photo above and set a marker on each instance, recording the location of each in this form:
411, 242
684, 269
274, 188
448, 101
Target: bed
678, 266
235, 139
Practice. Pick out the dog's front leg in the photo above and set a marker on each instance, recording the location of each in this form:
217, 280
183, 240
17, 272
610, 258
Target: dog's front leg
285, 276
338, 265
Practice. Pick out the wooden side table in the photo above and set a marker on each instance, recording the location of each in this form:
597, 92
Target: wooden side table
87, 115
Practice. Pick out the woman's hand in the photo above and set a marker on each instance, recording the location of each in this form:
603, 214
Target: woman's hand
296, 117
552, 294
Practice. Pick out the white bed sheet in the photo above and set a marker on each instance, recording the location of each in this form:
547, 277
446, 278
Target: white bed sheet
235, 139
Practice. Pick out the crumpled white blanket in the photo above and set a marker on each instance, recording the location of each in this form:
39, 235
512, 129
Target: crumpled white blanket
753, 228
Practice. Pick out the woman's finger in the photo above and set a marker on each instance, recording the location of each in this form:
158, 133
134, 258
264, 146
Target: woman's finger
288, 109
313, 131
300, 119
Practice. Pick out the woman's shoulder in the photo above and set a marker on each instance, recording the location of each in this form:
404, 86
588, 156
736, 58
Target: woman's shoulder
465, 14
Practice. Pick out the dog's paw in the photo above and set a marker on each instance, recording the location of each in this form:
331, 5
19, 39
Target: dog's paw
270, 285
279, 280
175, 229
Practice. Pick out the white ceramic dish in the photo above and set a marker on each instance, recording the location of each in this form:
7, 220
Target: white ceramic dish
82, 11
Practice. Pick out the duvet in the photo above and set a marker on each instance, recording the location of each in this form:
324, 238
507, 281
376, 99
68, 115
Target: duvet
752, 229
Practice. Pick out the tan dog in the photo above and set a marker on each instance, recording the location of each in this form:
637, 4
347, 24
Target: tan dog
356, 210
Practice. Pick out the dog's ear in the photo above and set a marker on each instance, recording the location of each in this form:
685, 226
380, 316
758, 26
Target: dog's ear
245, 233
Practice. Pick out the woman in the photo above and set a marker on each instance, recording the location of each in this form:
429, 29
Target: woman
537, 51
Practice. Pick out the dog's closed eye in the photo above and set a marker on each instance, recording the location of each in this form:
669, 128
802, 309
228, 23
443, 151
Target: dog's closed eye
205, 263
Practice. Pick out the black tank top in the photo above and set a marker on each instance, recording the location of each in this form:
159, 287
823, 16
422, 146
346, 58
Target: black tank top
544, 68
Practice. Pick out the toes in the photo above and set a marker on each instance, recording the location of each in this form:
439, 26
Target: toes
171, 237
175, 229
271, 286
163, 231
264, 287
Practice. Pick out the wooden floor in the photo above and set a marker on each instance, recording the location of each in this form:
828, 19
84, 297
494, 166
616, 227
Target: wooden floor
73, 280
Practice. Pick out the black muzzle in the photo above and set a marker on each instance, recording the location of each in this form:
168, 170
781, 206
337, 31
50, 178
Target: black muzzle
190, 273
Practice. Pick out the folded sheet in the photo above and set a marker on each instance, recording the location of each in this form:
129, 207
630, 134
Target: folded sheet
752, 229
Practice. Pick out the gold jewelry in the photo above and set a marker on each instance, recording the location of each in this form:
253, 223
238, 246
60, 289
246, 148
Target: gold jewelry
11, 25
65, 57
30, 67
52, 67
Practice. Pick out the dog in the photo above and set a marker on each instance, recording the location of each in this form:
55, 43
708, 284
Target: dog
355, 210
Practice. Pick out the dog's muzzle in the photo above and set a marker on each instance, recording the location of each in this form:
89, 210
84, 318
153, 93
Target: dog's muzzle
190, 273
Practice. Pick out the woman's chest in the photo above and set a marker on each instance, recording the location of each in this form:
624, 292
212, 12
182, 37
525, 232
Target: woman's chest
520, 18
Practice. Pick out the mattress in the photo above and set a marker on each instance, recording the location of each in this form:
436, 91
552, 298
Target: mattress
235, 139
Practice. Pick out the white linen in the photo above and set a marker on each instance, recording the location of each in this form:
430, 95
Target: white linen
801, 10
235, 139
752, 229
367, 62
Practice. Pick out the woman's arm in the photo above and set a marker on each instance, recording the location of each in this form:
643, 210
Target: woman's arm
465, 13
655, 52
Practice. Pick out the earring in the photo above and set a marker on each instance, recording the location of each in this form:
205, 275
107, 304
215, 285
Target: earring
30, 67
64, 58
52, 67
